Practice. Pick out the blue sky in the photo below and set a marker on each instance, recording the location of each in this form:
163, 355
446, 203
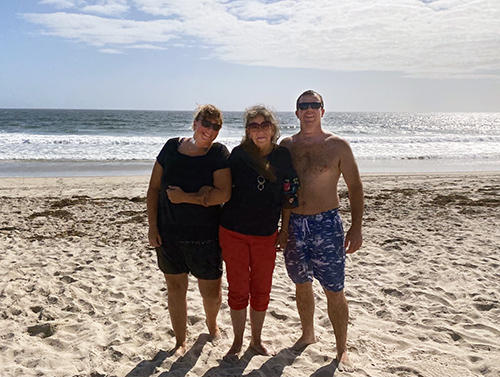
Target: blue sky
361, 55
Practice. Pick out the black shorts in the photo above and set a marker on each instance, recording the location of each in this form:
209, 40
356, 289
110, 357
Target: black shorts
203, 259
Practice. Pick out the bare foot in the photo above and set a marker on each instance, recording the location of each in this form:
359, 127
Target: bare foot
214, 332
232, 355
344, 364
261, 349
178, 350
215, 335
235, 349
303, 342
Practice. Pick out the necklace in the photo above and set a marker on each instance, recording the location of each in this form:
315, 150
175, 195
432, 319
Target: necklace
197, 149
260, 182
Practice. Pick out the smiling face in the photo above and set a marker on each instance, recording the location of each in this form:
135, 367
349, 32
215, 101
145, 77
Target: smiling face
204, 136
261, 136
310, 116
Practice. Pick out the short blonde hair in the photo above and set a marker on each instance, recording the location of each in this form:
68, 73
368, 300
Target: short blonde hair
208, 112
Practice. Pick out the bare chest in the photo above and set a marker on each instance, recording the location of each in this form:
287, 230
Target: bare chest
314, 160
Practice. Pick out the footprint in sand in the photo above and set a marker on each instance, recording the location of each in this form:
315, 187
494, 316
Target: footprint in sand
194, 319
281, 317
44, 330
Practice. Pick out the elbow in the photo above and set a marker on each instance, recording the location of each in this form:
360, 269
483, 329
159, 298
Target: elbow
226, 196
217, 196
356, 188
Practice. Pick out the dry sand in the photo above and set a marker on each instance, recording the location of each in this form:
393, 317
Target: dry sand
80, 293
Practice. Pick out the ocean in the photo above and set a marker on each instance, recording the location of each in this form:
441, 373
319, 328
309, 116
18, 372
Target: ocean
122, 142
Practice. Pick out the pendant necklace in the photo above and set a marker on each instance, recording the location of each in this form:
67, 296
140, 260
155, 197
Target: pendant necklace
204, 149
261, 180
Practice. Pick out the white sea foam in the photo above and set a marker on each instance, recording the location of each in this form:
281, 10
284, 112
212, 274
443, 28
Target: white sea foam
22, 146
376, 138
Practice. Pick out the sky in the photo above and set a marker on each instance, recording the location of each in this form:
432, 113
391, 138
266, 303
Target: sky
361, 55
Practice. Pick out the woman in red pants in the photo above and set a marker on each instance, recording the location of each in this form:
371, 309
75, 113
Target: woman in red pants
264, 187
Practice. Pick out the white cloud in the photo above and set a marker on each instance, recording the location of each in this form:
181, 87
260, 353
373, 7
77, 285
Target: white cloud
157, 7
60, 4
107, 7
147, 47
420, 38
100, 31
110, 51
103, 7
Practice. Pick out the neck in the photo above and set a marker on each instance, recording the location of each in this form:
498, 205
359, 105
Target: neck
265, 150
201, 148
311, 131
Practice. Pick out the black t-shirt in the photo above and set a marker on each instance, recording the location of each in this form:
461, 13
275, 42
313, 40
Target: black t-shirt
255, 207
189, 222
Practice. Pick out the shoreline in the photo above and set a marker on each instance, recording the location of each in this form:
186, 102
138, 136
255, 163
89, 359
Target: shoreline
57, 169
423, 290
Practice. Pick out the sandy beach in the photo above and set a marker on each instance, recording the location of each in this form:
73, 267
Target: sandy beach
81, 294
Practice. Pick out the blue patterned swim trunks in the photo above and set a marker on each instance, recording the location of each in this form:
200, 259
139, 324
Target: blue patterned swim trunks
316, 249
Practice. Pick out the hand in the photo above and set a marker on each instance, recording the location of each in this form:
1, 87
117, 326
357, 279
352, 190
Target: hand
353, 241
154, 237
175, 194
281, 240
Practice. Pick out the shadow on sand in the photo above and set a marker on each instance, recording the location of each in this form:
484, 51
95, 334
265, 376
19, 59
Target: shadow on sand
272, 367
181, 366
326, 371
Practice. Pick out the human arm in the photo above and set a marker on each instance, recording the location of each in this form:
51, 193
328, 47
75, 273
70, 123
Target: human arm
350, 172
221, 191
289, 199
177, 195
206, 196
152, 205
282, 239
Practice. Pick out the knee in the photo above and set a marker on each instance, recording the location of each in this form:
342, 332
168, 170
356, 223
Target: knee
335, 297
213, 294
259, 297
259, 303
304, 288
210, 289
176, 285
237, 301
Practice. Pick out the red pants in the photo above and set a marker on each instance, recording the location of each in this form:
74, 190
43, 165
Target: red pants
249, 268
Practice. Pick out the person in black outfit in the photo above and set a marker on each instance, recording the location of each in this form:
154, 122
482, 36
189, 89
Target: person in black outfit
264, 186
190, 180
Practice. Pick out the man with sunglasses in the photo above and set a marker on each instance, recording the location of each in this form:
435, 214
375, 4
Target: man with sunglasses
317, 246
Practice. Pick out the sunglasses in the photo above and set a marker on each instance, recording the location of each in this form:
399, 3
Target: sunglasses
207, 124
311, 105
254, 126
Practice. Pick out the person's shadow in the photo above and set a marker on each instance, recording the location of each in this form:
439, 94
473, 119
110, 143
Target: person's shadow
276, 364
147, 367
272, 367
327, 370
181, 366
235, 367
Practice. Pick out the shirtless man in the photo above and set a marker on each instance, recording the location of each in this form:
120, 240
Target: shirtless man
317, 246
